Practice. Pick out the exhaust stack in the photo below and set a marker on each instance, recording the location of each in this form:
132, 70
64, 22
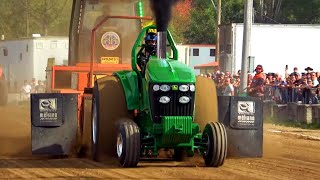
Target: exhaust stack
162, 44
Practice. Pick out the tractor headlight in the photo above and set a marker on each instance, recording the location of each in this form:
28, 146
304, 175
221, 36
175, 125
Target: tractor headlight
184, 99
184, 88
192, 87
164, 99
156, 87
164, 87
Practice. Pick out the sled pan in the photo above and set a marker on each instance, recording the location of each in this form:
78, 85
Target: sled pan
242, 118
53, 123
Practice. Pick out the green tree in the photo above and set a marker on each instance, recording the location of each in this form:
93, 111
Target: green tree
21, 18
49, 16
202, 23
12, 23
267, 11
287, 11
180, 19
203, 19
300, 12
232, 11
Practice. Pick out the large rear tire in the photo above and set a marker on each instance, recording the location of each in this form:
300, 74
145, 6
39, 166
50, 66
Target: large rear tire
206, 107
108, 106
216, 138
3, 93
128, 143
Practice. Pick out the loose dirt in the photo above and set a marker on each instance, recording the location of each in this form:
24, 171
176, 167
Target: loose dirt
285, 157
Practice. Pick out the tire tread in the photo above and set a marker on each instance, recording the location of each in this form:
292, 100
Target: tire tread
132, 143
218, 150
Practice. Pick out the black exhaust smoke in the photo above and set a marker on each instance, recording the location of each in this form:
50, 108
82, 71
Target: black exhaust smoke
162, 10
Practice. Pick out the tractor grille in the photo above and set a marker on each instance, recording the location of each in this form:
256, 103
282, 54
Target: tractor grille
174, 107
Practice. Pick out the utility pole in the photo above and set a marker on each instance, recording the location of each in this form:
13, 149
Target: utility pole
218, 31
246, 45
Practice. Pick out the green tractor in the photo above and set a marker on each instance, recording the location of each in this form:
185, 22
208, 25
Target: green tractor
136, 114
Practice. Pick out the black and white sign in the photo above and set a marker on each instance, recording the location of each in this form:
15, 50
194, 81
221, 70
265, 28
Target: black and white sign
246, 112
48, 104
47, 110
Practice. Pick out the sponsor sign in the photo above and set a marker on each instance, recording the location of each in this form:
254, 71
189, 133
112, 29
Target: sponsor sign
246, 113
110, 40
110, 60
48, 110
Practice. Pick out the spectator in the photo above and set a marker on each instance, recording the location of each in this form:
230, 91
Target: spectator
239, 73
228, 75
318, 92
290, 89
33, 85
236, 85
311, 95
305, 76
298, 78
308, 69
40, 88
25, 91
256, 87
229, 89
250, 77
314, 79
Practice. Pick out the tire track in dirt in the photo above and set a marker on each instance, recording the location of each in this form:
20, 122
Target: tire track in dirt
12, 172
59, 172
29, 168
282, 169
278, 168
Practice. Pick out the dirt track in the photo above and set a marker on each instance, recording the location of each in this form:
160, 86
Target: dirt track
285, 157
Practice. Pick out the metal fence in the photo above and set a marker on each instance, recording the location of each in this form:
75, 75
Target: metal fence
284, 94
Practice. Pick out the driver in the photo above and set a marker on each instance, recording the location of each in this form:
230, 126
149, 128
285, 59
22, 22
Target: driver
148, 49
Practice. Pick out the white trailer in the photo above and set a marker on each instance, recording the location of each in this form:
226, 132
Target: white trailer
28, 58
273, 46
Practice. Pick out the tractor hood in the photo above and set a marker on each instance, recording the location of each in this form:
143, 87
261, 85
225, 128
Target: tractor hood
164, 70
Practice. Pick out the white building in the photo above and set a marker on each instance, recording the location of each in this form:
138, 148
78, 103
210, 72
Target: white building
28, 58
196, 54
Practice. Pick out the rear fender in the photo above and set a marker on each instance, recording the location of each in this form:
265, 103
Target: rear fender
129, 81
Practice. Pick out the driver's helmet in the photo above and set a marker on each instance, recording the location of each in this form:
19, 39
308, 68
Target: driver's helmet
151, 43
151, 39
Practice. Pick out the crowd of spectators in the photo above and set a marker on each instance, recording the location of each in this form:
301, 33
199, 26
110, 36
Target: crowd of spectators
295, 86
226, 83
31, 87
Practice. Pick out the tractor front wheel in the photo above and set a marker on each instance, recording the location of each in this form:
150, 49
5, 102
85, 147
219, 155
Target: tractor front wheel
128, 143
215, 137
